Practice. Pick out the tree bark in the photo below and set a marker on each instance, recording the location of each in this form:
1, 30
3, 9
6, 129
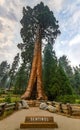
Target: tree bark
36, 72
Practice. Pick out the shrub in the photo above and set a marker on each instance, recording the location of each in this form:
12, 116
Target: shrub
66, 98
6, 114
8, 98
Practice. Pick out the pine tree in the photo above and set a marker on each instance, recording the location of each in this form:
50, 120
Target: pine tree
49, 67
4, 71
60, 84
21, 78
13, 69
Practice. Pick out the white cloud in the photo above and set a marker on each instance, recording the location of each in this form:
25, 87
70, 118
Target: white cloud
73, 21
76, 17
1, 35
71, 51
74, 55
2, 2
8, 52
10, 33
75, 40
56, 5
69, 19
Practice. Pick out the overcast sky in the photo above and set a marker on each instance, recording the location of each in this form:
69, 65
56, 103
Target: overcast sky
67, 12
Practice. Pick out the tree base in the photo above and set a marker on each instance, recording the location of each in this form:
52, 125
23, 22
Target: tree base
29, 98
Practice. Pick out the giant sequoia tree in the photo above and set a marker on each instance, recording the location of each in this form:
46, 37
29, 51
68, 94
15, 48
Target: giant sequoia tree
38, 23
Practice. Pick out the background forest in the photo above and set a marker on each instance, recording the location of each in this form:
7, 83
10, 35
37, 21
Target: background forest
61, 80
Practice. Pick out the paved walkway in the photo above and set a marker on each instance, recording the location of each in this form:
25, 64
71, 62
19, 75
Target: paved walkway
13, 122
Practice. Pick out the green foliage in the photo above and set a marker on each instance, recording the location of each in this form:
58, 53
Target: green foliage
6, 114
41, 16
77, 101
21, 80
72, 73
1, 100
13, 69
64, 82
76, 80
8, 98
66, 98
4, 70
15, 98
2, 91
65, 63
49, 67
56, 81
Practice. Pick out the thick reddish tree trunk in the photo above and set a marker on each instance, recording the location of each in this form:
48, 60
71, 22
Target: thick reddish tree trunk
35, 80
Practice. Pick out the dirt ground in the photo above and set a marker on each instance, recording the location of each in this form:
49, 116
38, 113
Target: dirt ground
13, 121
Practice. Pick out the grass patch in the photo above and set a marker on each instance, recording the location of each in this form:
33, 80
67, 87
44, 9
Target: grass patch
1, 99
6, 114
77, 101
13, 98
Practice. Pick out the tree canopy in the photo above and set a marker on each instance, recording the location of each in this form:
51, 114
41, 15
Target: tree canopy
39, 16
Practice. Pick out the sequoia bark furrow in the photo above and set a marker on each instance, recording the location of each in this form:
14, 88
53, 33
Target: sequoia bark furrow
33, 74
39, 75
